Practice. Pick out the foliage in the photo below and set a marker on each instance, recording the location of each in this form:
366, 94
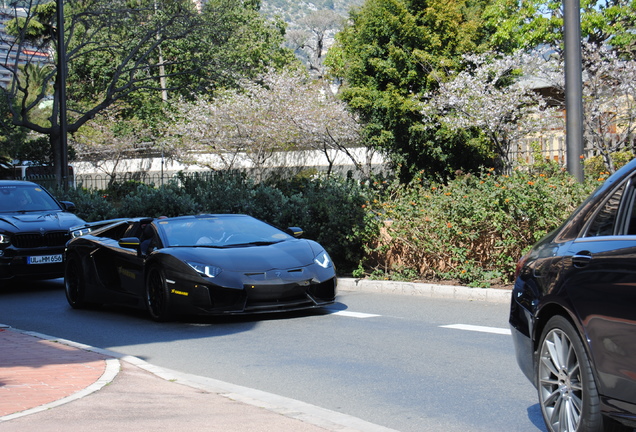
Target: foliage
167, 200
213, 192
530, 24
608, 102
92, 205
311, 39
473, 229
387, 57
141, 52
293, 10
330, 211
106, 141
596, 167
281, 111
609, 109
495, 95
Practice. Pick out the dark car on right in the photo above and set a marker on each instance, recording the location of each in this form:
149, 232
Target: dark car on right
573, 313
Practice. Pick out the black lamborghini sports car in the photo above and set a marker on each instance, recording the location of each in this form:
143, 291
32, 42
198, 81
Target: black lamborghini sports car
205, 264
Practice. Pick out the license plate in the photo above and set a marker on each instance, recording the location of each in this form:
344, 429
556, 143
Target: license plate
45, 259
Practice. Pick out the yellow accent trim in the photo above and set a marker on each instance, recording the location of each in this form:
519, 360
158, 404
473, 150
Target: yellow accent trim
183, 293
127, 273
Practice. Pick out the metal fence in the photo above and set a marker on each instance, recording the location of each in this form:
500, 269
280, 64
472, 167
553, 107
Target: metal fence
555, 148
523, 152
526, 150
101, 181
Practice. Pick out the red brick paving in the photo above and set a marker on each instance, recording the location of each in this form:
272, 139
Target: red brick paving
35, 371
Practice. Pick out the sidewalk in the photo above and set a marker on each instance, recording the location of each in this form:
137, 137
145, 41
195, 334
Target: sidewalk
39, 373
35, 372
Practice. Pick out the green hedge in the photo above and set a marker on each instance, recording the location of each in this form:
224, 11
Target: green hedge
471, 230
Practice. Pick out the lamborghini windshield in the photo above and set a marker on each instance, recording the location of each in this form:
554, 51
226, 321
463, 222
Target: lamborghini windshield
218, 231
25, 198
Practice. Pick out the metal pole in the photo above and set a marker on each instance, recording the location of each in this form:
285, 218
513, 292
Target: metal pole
62, 72
573, 88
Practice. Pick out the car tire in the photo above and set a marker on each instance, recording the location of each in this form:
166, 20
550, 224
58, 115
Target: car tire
157, 295
74, 283
567, 391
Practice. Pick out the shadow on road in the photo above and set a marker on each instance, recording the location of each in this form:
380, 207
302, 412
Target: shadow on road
41, 306
534, 415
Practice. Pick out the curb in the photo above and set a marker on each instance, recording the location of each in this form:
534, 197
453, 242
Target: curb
292, 408
426, 290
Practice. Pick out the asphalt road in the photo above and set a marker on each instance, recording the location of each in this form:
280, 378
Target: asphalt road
388, 359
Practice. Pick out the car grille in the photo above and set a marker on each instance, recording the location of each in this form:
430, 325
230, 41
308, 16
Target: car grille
325, 290
35, 240
291, 293
278, 293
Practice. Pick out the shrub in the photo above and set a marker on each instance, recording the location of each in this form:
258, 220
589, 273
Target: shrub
473, 229
236, 193
330, 210
167, 200
117, 191
92, 205
595, 166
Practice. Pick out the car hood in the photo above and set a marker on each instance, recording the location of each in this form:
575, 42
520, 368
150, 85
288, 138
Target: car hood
35, 221
284, 255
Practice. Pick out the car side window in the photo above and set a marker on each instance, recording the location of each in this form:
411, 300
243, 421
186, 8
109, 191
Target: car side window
115, 232
630, 216
605, 221
149, 240
134, 230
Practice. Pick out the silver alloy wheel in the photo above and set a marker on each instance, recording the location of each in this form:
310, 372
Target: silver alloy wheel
560, 384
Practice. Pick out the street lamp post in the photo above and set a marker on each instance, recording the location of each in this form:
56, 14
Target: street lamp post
62, 169
573, 87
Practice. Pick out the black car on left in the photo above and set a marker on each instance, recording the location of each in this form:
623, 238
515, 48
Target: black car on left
222, 264
34, 228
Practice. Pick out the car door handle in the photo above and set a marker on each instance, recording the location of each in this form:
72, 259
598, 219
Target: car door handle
581, 259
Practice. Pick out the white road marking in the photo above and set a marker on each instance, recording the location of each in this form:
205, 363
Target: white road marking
483, 329
354, 314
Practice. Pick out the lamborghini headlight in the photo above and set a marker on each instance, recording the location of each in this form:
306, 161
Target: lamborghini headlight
206, 270
80, 232
323, 260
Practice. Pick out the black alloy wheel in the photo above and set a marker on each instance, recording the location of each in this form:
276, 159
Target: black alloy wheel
74, 284
157, 295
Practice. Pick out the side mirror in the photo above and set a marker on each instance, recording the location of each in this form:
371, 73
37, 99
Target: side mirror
129, 242
295, 231
68, 206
